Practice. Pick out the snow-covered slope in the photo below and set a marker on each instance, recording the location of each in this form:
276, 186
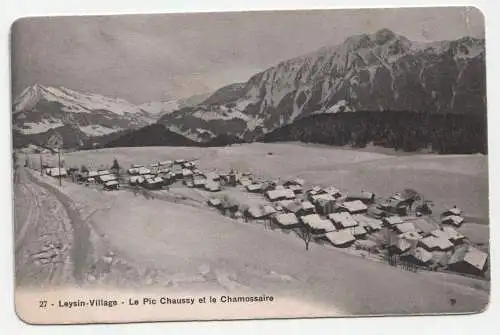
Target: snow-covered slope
380, 71
39, 109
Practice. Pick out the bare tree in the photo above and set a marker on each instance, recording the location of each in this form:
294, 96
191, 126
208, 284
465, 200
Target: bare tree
306, 235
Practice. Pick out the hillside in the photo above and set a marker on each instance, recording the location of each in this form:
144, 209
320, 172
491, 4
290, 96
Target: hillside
153, 135
401, 130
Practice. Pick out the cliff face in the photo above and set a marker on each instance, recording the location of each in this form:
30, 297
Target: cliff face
382, 71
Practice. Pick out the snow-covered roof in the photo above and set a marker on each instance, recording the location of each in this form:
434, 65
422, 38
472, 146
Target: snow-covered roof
439, 243
287, 219
316, 222
324, 197
212, 175
344, 220
307, 205
143, 170
402, 244
449, 233
453, 219
421, 254
107, 177
453, 211
340, 237
93, 174
280, 194
212, 185
355, 206
410, 235
166, 163
332, 190
405, 227
366, 221
393, 220
187, 172
136, 179
255, 187
111, 183
154, 180
214, 202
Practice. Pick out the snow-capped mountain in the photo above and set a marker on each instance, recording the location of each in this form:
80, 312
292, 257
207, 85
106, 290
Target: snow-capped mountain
38, 109
370, 72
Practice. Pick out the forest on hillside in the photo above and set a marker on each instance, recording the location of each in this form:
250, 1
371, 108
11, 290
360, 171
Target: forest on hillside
401, 130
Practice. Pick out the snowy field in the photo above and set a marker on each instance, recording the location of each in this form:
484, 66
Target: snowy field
184, 245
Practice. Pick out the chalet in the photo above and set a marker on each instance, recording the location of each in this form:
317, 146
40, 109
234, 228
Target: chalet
136, 166
333, 191
286, 220
308, 208
296, 182
188, 183
92, 174
91, 180
418, 256
468, 259
450, 234
186, 173
199, 182
154, 164
340, 239
400, 246
342, 220
58, 172
452, 211
245, 181
316, 224
136, 180
212, 186
353, 207
105, 178
275, 195
147, 176
324, 203
432, 243
214, 202
376, 212
454, 220
153, 183
411, 236
369, 223
297, 189
392, 221
358, 231
260, 212
365, 197
111, 185
393, 206
187, 165
424, 225
404, 227
212, 176
255, 187
166, 163
291, 206
143, 171
103, 172
179, 161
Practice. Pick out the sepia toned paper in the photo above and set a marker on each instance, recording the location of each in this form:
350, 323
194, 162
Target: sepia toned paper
250, 165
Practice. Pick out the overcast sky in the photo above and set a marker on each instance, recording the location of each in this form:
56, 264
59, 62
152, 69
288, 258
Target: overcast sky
158, 57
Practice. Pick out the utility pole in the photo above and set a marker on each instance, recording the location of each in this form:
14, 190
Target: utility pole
41, 165
59, 156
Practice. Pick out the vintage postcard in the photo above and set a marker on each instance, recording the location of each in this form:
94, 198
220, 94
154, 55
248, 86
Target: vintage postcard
249, 165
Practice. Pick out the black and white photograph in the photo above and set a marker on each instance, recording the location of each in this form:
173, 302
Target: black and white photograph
250, 165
